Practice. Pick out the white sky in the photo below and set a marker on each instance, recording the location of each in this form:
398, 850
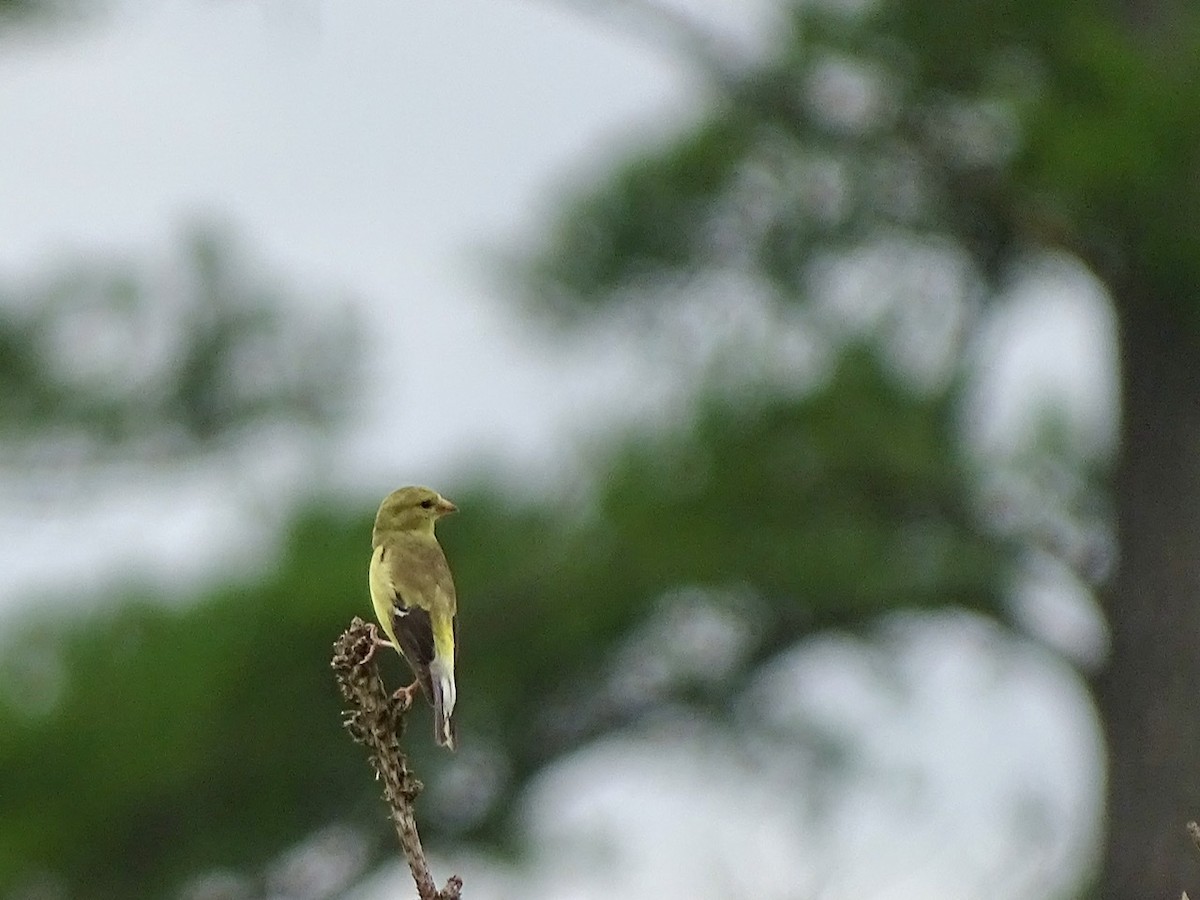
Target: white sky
374, 147
378, 148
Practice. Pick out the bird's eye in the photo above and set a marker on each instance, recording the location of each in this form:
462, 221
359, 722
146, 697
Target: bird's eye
426, 504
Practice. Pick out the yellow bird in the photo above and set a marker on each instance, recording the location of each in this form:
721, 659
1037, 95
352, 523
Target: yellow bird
413, 595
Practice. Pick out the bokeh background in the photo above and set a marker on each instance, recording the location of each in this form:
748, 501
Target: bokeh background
817, 381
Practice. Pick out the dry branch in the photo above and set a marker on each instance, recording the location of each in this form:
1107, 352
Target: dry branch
375, 719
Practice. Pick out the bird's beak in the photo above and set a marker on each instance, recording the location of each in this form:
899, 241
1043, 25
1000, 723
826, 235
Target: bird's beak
445, 507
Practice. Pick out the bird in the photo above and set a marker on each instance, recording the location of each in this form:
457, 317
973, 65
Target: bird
413, 594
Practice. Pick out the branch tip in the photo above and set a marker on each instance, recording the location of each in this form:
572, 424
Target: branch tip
375, 719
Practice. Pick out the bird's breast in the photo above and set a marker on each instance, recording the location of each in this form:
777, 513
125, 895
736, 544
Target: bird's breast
379, 580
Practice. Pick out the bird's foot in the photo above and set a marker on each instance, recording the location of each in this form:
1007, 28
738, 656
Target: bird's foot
376, 641
404, 696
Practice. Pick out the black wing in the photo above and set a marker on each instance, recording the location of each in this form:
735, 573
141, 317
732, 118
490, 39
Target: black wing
414, 632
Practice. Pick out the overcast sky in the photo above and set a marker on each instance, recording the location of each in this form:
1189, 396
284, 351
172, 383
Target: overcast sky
370, 148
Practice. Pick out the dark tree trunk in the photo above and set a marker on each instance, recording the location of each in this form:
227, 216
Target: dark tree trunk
1149, 695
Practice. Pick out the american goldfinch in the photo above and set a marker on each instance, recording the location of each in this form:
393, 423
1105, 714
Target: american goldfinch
413, 595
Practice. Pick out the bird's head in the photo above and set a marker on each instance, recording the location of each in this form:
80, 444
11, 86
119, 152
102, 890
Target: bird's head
412, 509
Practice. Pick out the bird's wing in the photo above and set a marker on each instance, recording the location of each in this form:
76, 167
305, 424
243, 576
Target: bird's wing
414, 638
398, 603
422, 612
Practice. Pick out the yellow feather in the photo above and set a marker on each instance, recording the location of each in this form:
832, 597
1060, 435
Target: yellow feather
380, 579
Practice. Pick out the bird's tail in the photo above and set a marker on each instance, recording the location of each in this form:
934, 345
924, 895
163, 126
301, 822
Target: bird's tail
442, 679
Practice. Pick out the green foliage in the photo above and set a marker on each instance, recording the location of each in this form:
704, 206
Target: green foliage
783, 499
113, 358
13, 12
1008, 125
644, 220
179, 737
123, 739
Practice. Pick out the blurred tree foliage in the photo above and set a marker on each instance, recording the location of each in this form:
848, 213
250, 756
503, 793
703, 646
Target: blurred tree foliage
1007, 128
120, 734
161, 363
905, 157
17, 10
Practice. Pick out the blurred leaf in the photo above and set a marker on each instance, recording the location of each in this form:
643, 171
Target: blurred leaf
107, 357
